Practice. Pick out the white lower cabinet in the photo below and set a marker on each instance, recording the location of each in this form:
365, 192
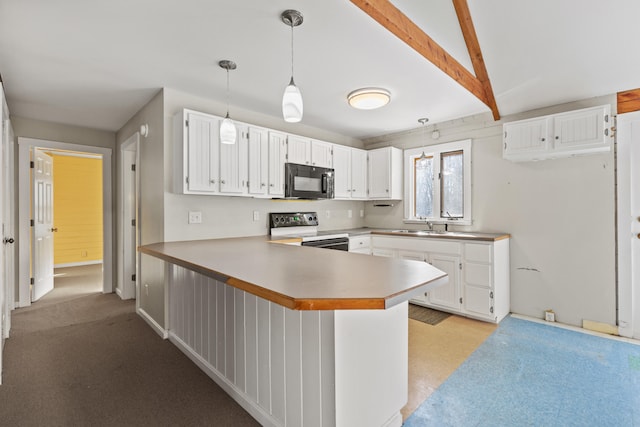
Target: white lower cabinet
360, 244
478, 273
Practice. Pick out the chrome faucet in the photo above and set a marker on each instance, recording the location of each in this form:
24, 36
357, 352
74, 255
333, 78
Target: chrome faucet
430, 225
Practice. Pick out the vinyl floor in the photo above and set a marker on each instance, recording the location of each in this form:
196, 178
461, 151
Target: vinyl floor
532, 374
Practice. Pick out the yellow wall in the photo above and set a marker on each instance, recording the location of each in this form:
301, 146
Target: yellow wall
77, 204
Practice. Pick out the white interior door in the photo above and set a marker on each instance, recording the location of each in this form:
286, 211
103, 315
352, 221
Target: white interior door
42, 255
129, 202
628, 177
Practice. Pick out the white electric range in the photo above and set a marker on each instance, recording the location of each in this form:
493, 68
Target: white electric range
304, 225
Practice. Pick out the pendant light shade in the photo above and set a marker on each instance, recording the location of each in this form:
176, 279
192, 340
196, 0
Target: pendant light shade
292, 107
228, 132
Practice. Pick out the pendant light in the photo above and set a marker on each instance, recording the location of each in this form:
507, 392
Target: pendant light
292, 98
228, 130
422, 160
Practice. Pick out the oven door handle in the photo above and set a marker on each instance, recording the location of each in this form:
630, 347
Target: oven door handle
324, 183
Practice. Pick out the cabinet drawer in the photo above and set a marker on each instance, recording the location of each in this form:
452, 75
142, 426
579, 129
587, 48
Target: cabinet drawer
478, 252
359, 242
440, 246
478, 274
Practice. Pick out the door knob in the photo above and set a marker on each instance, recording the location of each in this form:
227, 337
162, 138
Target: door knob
54, 230
8, 240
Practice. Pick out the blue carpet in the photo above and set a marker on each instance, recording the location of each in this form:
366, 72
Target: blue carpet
531, 374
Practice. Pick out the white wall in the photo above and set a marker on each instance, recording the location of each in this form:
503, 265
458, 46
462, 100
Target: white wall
560, 213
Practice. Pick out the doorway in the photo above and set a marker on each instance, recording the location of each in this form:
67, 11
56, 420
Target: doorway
126, 286
26, 148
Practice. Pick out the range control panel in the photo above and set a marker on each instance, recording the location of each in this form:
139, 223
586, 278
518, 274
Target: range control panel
291, 219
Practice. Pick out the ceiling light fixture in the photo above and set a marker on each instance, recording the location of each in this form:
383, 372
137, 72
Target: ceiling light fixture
369, 98
292, 98
228, 130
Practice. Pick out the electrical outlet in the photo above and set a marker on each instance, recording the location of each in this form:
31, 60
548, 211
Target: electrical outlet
328, 214
350, 213
195, 217
361, 213
256, 215
146, 289
549, 316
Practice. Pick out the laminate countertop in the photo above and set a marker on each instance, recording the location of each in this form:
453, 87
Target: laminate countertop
302, 277
436, 234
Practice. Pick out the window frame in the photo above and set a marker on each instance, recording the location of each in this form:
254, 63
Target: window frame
410, 156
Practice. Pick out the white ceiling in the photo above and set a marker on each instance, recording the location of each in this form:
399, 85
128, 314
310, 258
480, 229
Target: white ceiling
96, 63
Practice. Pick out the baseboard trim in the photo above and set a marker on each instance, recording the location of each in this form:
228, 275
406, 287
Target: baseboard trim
119, 293
151, 322
78, 264
576, 329
243, 400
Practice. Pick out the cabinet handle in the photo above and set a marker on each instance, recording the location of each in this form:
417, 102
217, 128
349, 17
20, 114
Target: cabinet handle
213, 181
222, 181
543, 139
387, 190
262, 184
491, 294
557, 137
270, 185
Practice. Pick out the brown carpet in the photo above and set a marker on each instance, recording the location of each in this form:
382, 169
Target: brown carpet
426, 315
91, 361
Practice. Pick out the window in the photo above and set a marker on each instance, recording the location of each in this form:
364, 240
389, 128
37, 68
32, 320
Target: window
438, 183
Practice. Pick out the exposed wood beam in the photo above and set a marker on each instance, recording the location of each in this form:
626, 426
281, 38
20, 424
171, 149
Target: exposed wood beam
390, 17
628, 101
473, 46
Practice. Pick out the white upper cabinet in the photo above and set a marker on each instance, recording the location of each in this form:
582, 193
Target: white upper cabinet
258, 161
385, 173
298, 150
350, 165
580, 132
526, 138
277, 159
233, 164
321, 154
196, 153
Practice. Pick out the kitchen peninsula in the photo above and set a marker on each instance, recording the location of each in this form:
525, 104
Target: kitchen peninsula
299, 336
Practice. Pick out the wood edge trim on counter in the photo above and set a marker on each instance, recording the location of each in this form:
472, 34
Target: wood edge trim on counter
444, 236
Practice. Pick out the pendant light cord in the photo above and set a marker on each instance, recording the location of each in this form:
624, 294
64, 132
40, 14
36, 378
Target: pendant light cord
292, 51
227, 93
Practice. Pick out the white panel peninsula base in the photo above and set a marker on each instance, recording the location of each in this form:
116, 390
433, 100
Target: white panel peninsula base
292, 368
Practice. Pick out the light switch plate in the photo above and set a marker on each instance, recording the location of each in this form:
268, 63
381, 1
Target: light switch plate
256, 215
195, 217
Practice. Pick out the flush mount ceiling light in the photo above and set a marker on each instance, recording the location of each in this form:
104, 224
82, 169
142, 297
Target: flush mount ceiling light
227, 127
369, 98
292, 98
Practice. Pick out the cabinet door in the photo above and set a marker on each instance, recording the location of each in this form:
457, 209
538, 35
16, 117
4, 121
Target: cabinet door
342, 167
298, 150
580, 129
277, 158
258, 161
525, 139
379, 172
358, 173
478, 301
415, 256
321, 154
234, 164
447, 295
203, 142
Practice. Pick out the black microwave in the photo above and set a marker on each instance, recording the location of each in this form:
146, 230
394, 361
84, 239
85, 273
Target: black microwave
308, 182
